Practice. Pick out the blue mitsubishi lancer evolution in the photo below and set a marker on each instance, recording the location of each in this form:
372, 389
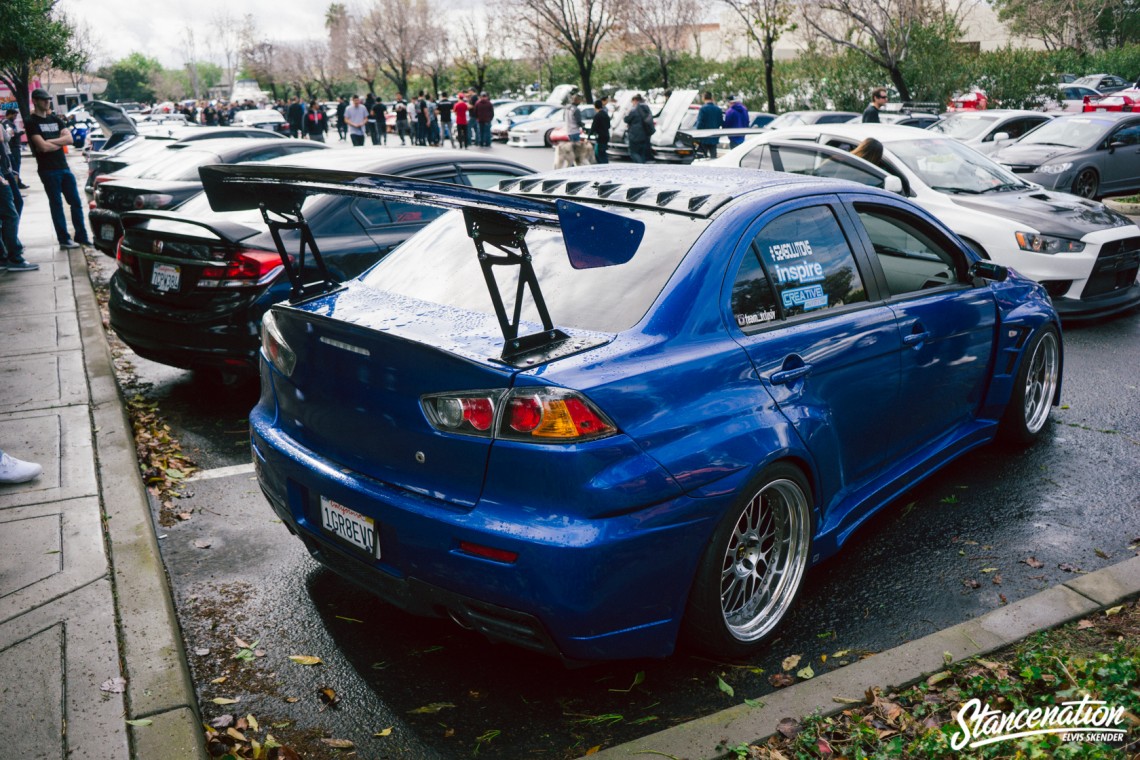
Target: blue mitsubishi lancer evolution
604, 410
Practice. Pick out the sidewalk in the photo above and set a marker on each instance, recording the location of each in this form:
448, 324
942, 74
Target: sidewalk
83, 594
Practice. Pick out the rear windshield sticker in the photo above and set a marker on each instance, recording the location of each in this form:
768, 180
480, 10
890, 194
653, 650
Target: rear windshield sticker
804, 272
811, 297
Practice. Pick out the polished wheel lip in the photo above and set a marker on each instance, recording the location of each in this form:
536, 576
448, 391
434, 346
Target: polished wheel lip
1041, 382
764, 560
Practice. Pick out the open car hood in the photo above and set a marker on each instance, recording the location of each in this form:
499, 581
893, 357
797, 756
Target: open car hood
112, 119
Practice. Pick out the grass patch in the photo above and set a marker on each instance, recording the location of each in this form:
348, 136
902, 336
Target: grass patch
1097, 658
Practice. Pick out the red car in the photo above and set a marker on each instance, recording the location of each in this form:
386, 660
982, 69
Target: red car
1124, 100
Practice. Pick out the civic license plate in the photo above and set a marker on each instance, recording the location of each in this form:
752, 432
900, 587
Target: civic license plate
349, 525
165, 277
107, 232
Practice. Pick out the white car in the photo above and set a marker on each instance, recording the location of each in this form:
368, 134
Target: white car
1085, 255
536, 131
1071, 98
509, 114
986, 131
262, 118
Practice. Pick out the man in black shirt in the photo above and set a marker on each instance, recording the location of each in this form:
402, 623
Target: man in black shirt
878, 100
48, 135
380, 116
601, 129
341, 127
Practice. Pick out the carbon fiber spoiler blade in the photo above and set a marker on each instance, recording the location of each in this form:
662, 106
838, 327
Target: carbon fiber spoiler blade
231, 232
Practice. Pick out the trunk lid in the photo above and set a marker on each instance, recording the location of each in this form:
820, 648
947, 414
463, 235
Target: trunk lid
365, 358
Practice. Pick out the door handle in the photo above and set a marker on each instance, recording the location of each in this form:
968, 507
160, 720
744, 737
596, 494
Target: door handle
915, 338
785, 376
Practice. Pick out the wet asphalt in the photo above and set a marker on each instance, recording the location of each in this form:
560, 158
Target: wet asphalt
947, 551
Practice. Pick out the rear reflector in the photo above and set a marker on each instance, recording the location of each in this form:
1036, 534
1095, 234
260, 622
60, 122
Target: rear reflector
499, 555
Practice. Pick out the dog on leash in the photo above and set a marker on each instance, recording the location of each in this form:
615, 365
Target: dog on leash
569, 153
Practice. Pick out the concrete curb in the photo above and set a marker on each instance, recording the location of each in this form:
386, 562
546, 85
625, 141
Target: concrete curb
159, 686
890, 670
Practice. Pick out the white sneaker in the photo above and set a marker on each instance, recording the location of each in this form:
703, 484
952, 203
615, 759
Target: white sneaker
14, 470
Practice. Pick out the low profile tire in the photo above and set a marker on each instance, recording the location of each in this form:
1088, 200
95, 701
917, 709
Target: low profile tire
1086, 183
753, 566
546, 139
1034, 388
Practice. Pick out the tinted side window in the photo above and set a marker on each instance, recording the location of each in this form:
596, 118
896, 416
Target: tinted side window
373, 210
913, 256
487, 179
753, 302
1129, 135
810, 262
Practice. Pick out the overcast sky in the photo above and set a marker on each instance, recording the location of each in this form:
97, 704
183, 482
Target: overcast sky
156, 29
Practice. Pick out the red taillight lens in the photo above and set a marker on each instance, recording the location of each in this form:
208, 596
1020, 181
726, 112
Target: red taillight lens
127, 261
246, 269
533, 415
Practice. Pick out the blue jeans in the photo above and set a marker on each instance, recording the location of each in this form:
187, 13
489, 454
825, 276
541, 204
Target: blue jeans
485, 134
60, 184
9, 226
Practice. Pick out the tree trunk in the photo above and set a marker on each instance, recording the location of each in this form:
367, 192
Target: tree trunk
899, 83
585, 73
664, 64
769, 64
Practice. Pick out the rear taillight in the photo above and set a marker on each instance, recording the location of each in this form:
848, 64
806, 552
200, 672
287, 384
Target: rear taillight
153, 200
246, 269
105, 178
127, 261
274, 347
535, 415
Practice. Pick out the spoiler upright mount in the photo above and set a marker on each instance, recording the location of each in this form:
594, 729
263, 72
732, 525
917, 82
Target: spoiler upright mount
593, 237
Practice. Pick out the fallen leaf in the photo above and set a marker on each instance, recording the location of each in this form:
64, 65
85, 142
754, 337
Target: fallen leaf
593, 750
348, 619
989, 569
222, 721
947, 658
202, 543
1101, 553
140, 722
997, 579
938, 678
386, 732
753, 703
434, 707
720, 684
116, 685
846, 701
286, 753
233, 732
221, 679
780, 680
259, 653
328, 696
971, 583
1068, 567
252, 722
1033, 562
789, 728
1082, 625
806, 673
242, 644
291, 700
183, 515
823, 747
790, 662
448, 733
1003, 599
304, 659
1114, 610
841, 653
201, 651
338, 743
224, 701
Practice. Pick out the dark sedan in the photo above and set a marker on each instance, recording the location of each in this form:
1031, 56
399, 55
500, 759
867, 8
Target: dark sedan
192, 285
168, 180
1092, 154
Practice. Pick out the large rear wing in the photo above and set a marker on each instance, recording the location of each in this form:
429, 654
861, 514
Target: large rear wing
593, 237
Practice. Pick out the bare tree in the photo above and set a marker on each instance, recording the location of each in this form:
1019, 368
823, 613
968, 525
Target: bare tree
479, 44
1059, 24
87, 49
765, 21
880, 30
437, 57
257, 55
225, 43
189, 48
576, 26
393, 35
662, 28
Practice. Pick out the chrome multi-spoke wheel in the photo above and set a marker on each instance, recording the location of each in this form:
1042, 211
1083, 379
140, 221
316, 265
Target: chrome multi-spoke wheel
1041, 382
1035, 387
753, 566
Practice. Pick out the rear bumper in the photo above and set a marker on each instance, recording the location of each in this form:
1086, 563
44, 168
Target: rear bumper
582, 589
189, 339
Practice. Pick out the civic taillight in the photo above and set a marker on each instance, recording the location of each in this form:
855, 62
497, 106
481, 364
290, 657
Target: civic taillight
274, 347
535, 415
246, 269
152, 200
127, 261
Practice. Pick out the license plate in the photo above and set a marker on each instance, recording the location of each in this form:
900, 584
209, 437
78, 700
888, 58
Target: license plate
165, 277
107, 232
350, 526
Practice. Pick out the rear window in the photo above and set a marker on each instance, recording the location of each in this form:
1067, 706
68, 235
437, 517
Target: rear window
439, 265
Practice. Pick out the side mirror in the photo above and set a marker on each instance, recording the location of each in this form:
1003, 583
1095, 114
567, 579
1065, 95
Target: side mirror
1001, 137
1116, 144
987, 270
893, 184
